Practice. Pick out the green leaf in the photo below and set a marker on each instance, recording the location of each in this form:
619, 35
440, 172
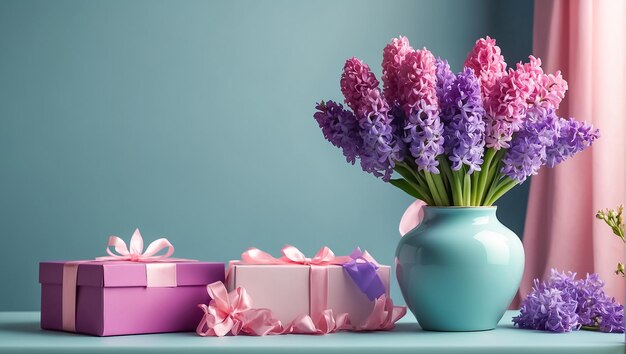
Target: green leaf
404, 172
405, 186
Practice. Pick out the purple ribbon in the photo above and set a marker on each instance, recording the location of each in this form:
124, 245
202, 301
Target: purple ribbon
363, 274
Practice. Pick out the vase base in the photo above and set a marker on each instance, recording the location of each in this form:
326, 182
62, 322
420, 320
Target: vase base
457, 329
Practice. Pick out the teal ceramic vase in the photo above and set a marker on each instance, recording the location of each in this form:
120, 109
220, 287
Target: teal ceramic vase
459, 268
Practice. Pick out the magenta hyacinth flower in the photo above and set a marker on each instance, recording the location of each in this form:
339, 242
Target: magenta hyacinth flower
488, 64
506, 107
549, 90
417, 81
393, 56
360, 89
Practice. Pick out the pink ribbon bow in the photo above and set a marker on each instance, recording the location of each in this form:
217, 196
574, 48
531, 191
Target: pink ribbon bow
233, 313
292, 255
136, 252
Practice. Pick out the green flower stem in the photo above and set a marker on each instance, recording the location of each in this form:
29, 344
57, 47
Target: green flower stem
443, 193
416, 171
458, 186
494, 171
474, 177
590, 328
492, 189
421, 182
446, 174
421, 178
439, 181
467, 189
447, 171
433, 188
504, 187
484, 172
411, 177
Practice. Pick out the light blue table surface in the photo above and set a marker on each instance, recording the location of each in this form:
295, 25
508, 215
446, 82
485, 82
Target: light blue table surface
20, 333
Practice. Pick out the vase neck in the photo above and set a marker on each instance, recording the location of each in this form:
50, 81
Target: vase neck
481, 214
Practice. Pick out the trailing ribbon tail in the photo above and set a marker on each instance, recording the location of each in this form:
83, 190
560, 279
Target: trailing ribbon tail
232, 312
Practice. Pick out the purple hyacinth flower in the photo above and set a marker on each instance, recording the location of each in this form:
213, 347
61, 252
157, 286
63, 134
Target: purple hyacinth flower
424, 135
528, 151
371, 138
545, 139
340, 128
380, 147
573, 137
445, 80
462, 114
563, 304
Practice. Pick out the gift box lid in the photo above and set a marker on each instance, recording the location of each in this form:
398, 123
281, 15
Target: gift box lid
112, 274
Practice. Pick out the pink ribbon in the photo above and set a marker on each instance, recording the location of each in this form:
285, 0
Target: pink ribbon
292, 255
412, 217
233, 313
135, 253
160, 271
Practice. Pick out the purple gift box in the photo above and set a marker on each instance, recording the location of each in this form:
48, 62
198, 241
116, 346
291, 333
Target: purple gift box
130, 291
106, 298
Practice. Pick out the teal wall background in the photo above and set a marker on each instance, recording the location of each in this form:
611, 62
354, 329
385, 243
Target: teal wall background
193, 120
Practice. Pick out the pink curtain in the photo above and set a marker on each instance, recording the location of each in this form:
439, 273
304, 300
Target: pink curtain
585, 40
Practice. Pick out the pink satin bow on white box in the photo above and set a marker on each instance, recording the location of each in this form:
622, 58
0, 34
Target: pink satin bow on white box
292, 255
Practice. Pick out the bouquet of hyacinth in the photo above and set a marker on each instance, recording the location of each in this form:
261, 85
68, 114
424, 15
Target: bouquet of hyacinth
460, 139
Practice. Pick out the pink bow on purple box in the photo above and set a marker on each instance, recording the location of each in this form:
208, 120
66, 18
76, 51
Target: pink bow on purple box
135, 252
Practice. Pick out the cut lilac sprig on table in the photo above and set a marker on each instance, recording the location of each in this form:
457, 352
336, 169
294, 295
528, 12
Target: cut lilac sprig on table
461, 139
614, 218
564, 304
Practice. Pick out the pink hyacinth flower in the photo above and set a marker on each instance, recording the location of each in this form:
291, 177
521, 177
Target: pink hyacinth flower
514, 94
549, 89
417, 82
488, 64
360, 89
393, 56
